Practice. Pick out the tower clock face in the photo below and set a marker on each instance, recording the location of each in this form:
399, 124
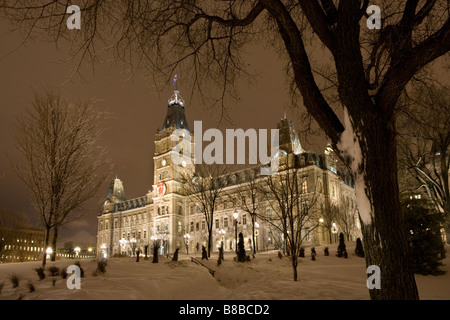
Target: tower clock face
164, 162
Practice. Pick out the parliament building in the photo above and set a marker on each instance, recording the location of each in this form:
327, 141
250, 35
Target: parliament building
170, 215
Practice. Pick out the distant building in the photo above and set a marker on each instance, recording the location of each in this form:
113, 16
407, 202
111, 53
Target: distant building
168, 214
76, 250
19, 245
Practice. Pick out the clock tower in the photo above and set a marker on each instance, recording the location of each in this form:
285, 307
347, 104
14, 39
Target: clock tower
168, 192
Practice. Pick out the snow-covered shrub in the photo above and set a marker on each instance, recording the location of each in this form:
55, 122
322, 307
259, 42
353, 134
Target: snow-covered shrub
341, 251
30, 286
40, 272
241, 255
78, 264
15, 280
301, 253
204, 253
54, 271
175, 255
63, 272
359, 250
101, 266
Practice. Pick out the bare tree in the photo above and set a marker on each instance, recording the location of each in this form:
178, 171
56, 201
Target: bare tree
346, 220
248, 197
60, 161
371, 68
295, 215
424, 144
330, 216
204, 188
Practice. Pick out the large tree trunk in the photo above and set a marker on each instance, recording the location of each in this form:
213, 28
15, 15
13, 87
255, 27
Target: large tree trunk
383, 229
209, 241
253, 234
54, 242
46, 241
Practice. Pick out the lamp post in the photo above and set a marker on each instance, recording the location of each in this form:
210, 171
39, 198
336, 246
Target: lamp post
49, 252
103, 247
321, 229
334, 230
186, 237
235, 216
77, 250
222, 236
256, 235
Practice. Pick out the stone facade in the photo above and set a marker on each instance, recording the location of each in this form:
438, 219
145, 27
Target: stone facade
168, 214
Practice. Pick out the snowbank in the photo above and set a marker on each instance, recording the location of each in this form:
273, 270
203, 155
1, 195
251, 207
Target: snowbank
264, 278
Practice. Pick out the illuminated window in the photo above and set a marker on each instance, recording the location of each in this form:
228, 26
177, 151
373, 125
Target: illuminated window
305, 186
308, 234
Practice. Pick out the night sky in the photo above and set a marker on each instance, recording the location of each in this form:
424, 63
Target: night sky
138, 110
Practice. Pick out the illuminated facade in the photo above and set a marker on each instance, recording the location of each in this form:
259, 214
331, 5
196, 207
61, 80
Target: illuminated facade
168, 214
20, 245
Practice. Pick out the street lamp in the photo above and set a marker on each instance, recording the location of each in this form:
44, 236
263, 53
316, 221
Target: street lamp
49, 252
235, 216
321, 220
103, 247
256, 234
222, 236
77, 250
186, 237
334, 230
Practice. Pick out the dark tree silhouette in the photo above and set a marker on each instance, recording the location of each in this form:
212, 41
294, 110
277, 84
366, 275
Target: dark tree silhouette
341, 251
241, 255
175, 255
359, 250
204, 253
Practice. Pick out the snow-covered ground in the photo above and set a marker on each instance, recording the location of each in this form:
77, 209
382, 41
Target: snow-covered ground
264, 278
